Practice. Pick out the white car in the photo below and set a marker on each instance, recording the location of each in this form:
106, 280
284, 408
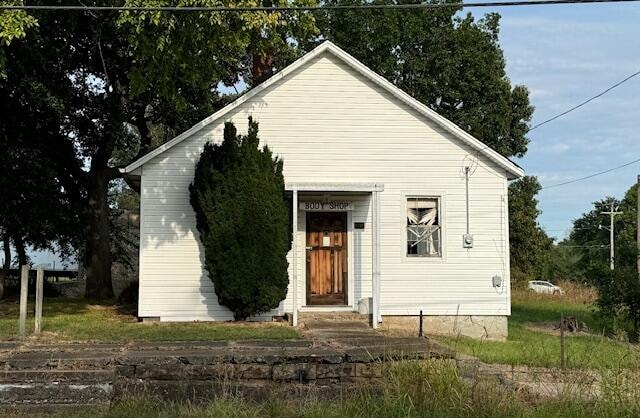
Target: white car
540, 286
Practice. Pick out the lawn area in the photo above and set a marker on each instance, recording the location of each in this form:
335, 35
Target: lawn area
78, 320
532, 347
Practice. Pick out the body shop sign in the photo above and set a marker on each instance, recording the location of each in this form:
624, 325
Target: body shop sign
330, 206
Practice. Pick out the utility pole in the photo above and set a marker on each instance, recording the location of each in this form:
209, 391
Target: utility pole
612, 213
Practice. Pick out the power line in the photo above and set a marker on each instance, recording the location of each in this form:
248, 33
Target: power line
586, 101
582, 246
569, 228
226, 9
605, 91
591, 175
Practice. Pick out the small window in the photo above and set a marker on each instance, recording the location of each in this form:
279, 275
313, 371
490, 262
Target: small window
423, 227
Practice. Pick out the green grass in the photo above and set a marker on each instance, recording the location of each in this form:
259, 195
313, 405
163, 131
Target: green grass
525, 346
425, 389
77, 320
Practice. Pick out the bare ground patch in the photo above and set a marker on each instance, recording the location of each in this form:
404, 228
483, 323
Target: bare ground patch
552, 328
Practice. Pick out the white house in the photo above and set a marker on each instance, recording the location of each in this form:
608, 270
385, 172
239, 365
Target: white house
398, 210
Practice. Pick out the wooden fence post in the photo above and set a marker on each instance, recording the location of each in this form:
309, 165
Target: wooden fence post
563, 363
39, 298
24, 291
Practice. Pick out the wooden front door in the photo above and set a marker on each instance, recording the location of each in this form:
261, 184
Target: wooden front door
327, 258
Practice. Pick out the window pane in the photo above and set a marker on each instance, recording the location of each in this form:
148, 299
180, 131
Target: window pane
423, 228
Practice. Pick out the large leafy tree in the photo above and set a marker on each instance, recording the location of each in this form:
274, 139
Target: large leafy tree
13, 25
618, 290
131, 80
529, 244
242, 215
563, 263
591, 234
35, 209
453, 64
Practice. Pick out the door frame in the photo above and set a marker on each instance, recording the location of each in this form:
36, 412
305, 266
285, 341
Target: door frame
351, 304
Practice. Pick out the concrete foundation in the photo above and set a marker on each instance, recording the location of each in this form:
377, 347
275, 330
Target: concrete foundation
474, 326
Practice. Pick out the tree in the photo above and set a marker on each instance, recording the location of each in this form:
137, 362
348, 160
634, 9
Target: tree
618, 290
34, 210
591, 233
529, 244
242, 215
451, 63
121, 74
13, 25
563, 263
6, 265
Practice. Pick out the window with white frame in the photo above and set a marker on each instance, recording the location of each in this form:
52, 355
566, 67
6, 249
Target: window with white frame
423, 227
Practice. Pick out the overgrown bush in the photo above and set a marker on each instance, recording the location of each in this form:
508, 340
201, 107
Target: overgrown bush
619, 297
242, 215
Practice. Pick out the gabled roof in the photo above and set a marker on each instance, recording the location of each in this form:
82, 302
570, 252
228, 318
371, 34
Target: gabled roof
513, 170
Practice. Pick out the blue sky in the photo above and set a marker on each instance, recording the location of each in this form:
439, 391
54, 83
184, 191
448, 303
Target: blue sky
566, 54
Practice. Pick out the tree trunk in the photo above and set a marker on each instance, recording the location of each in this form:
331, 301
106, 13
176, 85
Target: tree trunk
262, 67
97, 256
21, 251
6, 242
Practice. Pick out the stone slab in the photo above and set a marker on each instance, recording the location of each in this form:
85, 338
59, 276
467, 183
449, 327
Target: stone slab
297, 372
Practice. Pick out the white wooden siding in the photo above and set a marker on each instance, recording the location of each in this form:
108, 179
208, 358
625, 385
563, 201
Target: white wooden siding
331, 124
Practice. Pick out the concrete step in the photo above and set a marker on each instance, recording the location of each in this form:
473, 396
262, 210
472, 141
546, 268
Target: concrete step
337, 324
334, 316
54, 409
51, 389
61, 392
56, 376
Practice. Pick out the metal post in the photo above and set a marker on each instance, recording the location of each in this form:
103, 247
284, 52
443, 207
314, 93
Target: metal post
611, 240
378, 257
295, 258
612, 213
466, 176
374, 286
39, 298
420, 330
24, 291
563, 363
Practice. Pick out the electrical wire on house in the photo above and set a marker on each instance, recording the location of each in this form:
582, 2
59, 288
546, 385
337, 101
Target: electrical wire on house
225, 9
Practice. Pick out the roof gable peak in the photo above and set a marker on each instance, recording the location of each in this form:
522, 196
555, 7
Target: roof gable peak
513, 171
